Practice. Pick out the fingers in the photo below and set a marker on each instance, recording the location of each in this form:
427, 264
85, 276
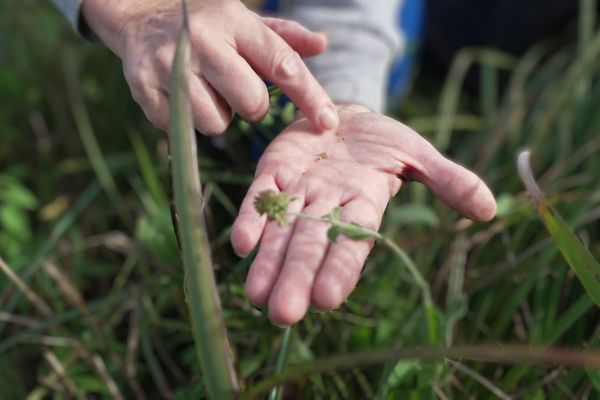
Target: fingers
249, 224
306, 42
236, 81
210, 111
308, 245
276, 61
458, 187
155, 103
148, 93
344, 261
266, 265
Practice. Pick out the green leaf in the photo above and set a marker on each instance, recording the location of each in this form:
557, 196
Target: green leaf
594, 376
18, 195
333, 233
288, 114
505, 205
356, 232
402, 371
14, 220
333, 215
206, 314
575, 253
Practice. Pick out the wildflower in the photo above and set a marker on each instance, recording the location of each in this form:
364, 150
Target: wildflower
275, 205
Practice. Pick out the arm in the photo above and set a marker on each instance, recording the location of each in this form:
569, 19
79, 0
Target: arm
233, 50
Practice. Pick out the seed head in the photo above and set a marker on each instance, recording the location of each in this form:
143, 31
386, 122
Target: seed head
275, 205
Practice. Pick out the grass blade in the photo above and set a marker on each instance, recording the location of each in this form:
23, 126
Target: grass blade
575, 253
281, 361
202, 295
508, 354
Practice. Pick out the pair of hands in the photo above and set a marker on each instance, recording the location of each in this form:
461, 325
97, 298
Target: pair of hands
350, 157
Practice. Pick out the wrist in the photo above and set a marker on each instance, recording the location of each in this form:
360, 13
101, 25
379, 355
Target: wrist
107, 19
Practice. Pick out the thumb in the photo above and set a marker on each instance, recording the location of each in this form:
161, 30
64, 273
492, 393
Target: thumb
306, 42
458, 187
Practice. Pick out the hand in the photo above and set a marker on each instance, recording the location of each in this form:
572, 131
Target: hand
230, 46
359, 168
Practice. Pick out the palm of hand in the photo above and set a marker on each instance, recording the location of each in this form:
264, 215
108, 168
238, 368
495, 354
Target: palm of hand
357, 168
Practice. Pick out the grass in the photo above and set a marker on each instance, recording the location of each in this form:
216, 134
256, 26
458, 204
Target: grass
112, 241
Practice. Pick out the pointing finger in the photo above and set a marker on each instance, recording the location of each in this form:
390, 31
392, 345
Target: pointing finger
276, 61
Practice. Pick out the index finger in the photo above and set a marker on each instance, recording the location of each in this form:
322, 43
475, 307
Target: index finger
277, 62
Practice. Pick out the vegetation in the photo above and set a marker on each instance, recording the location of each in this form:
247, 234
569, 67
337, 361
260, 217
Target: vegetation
92, 285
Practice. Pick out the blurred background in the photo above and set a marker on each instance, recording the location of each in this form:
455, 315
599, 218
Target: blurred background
91, 298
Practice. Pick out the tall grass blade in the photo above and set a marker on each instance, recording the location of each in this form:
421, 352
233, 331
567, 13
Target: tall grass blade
452, 87
91, 145
202, 295
60, 228
575, 253
281, 361
508, 354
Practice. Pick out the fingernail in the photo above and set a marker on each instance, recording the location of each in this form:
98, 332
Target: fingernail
329, 118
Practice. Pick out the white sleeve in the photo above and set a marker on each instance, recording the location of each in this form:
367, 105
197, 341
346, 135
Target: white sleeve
363, 38
70, 8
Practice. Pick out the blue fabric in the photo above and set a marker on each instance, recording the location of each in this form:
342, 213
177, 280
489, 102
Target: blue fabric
271, 5
410, 22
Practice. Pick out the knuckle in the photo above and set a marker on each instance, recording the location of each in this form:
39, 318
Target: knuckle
138, 78
164, 60
158, 116
287, 63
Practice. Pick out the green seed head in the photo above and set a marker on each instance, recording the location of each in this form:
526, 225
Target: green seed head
275, 205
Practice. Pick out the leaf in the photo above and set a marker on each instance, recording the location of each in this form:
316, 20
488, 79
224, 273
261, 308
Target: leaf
206, 314
404, 369
18, 195
333, 215
575, 253
356, 232
14, 221
594, 376
333, 233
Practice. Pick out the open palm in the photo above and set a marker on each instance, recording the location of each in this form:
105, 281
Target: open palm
359, 168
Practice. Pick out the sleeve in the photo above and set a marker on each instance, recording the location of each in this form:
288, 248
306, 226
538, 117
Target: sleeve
70, 9
363, 38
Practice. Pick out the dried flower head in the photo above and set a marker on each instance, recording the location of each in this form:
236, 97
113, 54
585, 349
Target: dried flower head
275, 205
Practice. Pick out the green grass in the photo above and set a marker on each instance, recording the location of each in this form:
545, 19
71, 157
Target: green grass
92, 200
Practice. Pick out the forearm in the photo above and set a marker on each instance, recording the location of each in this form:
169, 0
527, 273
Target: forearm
362, 40
100, 20
106, 19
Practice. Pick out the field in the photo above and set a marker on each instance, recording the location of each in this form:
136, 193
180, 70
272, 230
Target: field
91, 295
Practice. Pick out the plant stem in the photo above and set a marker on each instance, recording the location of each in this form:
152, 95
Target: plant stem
200, 286
281, 361
430, 314
432, 325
